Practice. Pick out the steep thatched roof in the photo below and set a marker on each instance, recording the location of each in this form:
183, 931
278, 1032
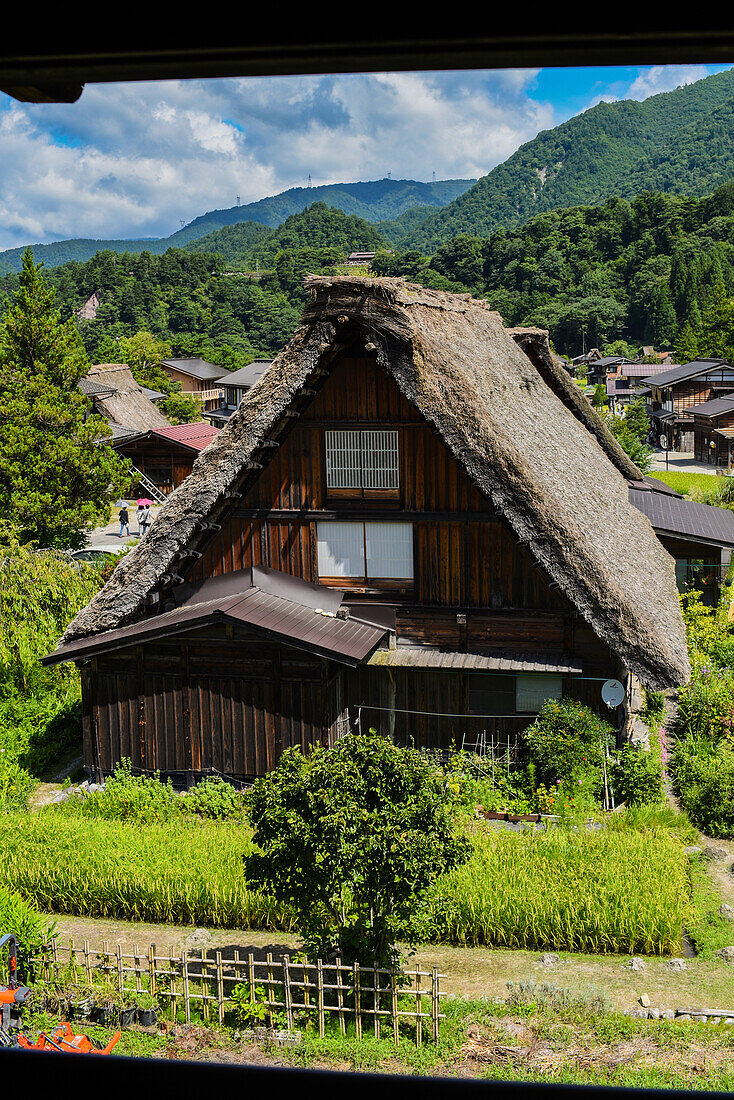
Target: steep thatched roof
514, 426
126, 405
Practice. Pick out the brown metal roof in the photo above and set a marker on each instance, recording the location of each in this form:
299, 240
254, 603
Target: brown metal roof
299, 624
448, 661
685, 518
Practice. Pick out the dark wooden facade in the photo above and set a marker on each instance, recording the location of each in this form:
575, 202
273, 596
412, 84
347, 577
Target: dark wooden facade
166, 463
226, 700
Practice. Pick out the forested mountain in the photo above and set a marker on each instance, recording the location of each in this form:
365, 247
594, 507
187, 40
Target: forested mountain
373, 201
190, 298
653, 271
680, 141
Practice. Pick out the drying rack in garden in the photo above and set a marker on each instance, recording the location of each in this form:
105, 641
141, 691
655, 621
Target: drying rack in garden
374, 999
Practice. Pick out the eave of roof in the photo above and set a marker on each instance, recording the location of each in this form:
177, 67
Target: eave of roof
685, 518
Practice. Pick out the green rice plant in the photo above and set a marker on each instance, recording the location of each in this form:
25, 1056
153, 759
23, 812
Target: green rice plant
598, 891
172, 873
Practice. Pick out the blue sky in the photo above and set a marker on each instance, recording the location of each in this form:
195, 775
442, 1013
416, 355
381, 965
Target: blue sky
136, 160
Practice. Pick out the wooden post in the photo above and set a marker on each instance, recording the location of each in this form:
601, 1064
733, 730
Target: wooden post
220, 987
185, 968
270, 984
251, 976
357, 1001
138, 968
340, 995
435, 1003
151, 971
376, 998
419, 1008
120, 975
87, 963
287, 992
174, 985
395, 1021
320, 997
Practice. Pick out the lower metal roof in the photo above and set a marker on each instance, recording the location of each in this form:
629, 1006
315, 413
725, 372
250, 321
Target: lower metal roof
449, 661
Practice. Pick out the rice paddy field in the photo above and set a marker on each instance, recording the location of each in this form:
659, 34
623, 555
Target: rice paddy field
588, 891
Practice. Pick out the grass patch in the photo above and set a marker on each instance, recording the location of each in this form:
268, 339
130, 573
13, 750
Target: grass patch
682, 481
573, 1043
708, 930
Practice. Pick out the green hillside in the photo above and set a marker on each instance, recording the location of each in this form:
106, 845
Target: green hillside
657, 270
373, 201
680, 141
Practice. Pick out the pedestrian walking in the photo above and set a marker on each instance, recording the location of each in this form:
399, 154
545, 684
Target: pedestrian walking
144, 520
124, 521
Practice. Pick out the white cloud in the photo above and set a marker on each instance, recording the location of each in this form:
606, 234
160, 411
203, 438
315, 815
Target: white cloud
137, 159
664, 78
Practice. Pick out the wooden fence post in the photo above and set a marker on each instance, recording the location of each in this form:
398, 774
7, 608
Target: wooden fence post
357, 982
320, 997
287, 992
151, 971
435, 1004
220, 987
376, 998
419, 1008
185, 967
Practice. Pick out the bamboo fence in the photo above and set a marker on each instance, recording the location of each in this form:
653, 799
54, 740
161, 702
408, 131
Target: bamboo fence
372, 998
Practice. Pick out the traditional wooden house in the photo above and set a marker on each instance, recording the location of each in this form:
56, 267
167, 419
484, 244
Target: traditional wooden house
713, 431
117, 396
413, 522
197, 377
166, 455
677, 390
234, 388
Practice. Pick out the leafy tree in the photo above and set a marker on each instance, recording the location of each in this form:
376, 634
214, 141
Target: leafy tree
685, 349
637, 420
56, 480
599, 396
351, 838
630, 443
182, 408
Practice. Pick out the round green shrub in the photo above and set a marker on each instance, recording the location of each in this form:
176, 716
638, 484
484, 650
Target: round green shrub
638, 776
215, 798
704, 779
566, 741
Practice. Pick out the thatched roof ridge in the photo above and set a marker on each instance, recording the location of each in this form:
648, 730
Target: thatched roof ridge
524, 447
127, 405
535, 342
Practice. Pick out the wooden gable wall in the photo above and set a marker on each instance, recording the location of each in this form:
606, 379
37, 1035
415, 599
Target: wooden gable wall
465, 555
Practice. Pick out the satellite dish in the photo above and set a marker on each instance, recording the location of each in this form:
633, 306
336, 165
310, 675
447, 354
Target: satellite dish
612, 692
664, 442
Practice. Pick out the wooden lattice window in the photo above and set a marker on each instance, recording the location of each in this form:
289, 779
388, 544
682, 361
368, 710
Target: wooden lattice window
362, 462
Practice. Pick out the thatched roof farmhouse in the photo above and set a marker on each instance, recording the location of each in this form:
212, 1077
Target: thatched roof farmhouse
499, 490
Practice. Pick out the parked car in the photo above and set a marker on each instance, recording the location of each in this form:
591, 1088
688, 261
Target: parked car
98, 554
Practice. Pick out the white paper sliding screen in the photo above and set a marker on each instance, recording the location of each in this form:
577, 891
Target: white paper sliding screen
361, 551
340, 549
366, 460
389, 548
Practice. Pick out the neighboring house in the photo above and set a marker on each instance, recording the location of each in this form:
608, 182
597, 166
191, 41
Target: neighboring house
605, 367
677, 390
117, 397
197, 377
166, 455
414, 522
360, 259
713, 431
699, 536
234, 387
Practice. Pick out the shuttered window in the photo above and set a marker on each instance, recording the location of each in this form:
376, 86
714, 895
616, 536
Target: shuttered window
365, 551
535, 689
357, 459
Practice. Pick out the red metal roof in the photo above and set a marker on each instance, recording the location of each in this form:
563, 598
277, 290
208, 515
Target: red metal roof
196, 436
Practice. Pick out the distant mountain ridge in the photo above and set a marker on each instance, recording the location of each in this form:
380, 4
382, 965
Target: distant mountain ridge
680, 142
373, 200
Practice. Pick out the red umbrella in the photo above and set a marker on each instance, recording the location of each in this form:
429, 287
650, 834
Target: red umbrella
144, 501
